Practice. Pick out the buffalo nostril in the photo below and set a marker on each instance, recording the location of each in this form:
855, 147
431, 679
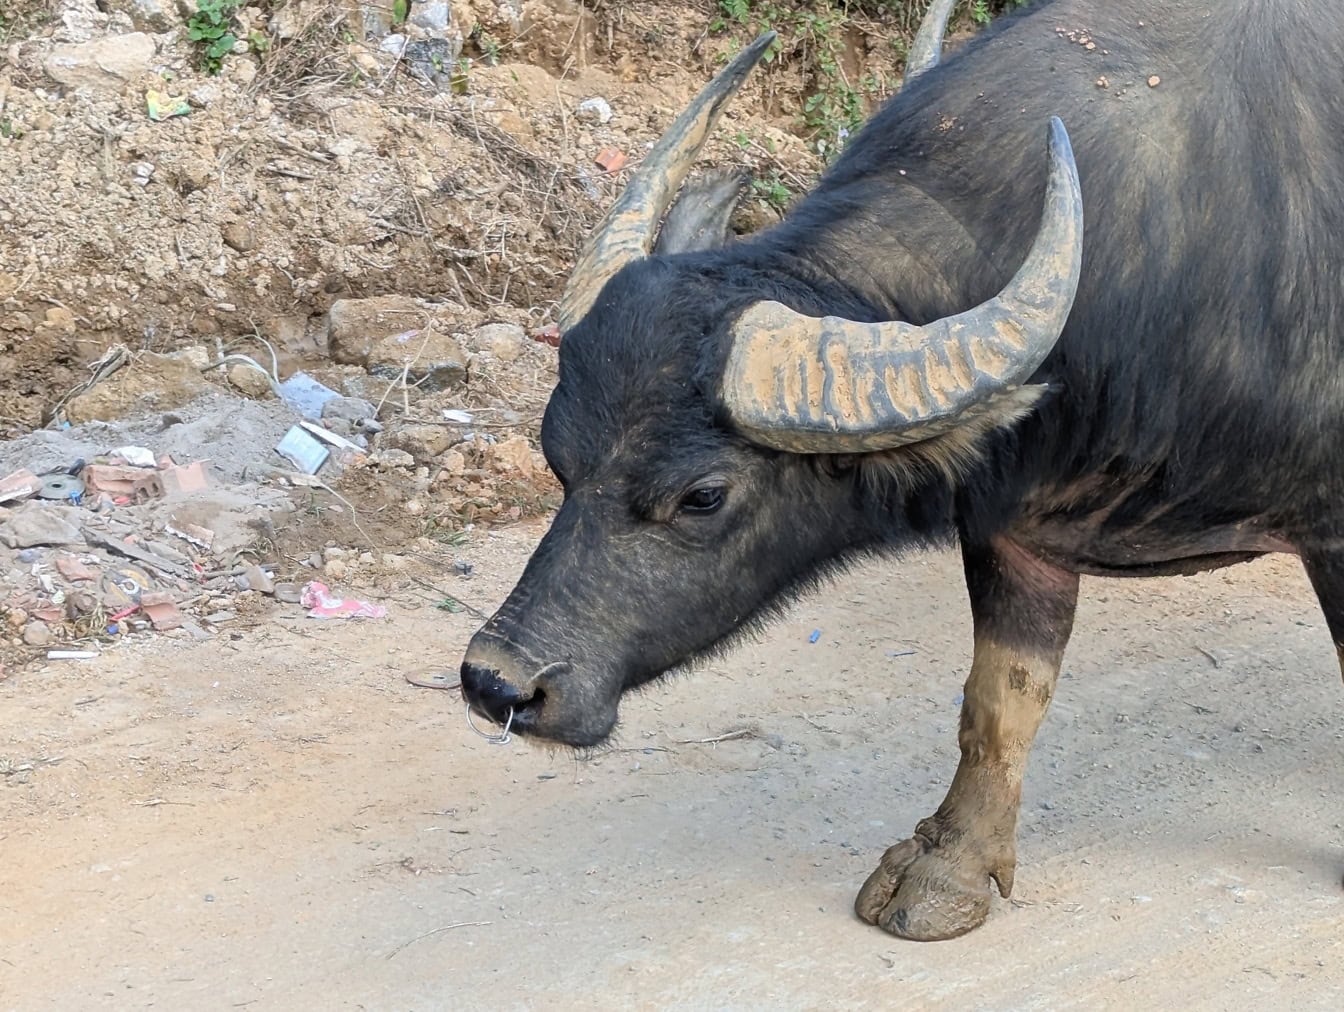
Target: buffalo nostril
489, 693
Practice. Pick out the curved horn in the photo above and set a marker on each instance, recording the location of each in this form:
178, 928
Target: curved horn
627, 230
927, 48
829, 385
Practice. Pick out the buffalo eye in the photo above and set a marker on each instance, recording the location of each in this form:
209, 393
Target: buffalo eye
705, 499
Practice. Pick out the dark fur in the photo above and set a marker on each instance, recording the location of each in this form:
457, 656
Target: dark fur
1196, 411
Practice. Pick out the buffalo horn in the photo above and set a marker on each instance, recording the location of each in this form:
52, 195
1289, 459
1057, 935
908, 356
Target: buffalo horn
927, 48
831, 385
627, 231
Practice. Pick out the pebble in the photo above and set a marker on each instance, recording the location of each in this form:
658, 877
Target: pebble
37, 634
335, 569
332, 552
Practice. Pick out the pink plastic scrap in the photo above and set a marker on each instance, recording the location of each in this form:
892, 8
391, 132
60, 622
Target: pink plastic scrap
317, 598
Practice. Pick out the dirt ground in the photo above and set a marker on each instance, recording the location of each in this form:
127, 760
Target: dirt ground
280, 820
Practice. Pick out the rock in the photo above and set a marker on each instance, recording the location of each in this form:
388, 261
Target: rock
515, 453
37, 634
257, 579
454, 462
414, 507
239, 236
355, 326
102, 64
350, 409
433, 361
35, 523
505, 341
332, 552
335, 569
75, 570
396, 562
196, 355
423, 442
151, 382
392, 458
147, 15
593, 110
393, 44
434, 16
249, 381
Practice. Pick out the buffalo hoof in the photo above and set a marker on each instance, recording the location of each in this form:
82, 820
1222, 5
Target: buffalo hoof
924, 893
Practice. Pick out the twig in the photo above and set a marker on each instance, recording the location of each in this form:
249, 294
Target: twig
156, 802
741, 732
435, 931
1210, 656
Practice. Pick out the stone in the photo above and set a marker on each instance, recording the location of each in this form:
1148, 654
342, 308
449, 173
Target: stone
105, 64
423, 442
335, 569
147, 15
75, 570
514, 453
35, 523
238, 236
37, 634
249, 381
349, 409
434, 16
355, 326
392, 458
432, 361
257, 579
505, 341
151, 382
332, 552
454, 462
594, 110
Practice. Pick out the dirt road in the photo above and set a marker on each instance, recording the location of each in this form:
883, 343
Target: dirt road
280, 821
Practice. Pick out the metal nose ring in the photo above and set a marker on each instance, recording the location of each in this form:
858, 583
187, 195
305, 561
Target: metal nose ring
503, 738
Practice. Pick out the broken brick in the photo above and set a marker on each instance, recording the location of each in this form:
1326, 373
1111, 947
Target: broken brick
74, 570
181, 478
610, 160
19, 485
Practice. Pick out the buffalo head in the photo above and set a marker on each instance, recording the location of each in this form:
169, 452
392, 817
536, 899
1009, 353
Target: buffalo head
716, 420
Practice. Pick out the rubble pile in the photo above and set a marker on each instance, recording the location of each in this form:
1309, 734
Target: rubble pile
155, 498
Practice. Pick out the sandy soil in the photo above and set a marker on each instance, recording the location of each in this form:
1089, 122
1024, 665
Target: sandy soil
280, 820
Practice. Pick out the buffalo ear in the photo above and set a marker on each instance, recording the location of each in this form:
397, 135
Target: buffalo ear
699, 220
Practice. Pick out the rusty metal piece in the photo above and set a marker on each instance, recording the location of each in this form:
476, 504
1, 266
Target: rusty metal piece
626, 232
830, 385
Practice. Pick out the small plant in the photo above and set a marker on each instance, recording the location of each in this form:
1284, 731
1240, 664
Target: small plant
772, 190
980, 12
7, 129
212, 27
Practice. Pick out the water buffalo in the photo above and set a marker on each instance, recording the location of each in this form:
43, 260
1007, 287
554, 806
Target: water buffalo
933, 349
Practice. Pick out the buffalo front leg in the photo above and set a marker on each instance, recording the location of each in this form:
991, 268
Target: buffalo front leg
935, 885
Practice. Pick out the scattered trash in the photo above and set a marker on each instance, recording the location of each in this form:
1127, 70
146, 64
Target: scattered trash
61, 486
961, 698
71, 655
455, 415
317, 598
433, 678
816, 635
114, 479
137, 456
303, 450
122, 588
306, 395
161, 107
